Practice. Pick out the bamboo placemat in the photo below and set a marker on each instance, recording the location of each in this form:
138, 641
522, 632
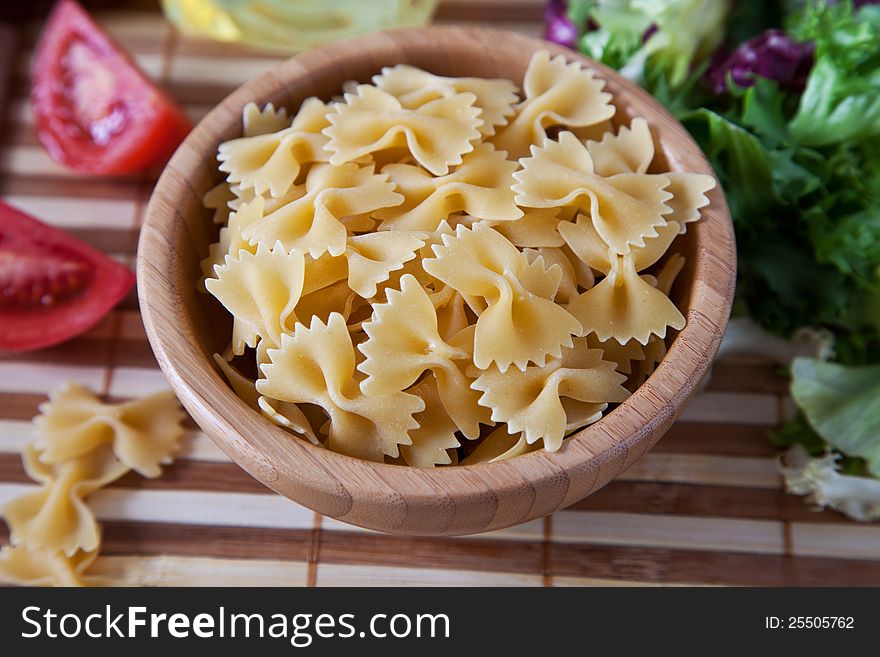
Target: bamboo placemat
706, 506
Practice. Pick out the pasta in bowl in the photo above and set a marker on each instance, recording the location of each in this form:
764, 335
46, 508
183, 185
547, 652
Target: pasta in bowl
441, 299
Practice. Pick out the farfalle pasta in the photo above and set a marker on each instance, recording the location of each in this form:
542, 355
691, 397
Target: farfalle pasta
463, 274
625, 208
520, 321
480, 187
531, 402
270, 161
82, 444
557, 93
436, 134
315, 222
316, 365
414, 87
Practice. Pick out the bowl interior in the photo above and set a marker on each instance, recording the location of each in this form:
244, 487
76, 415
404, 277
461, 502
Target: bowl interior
186, 327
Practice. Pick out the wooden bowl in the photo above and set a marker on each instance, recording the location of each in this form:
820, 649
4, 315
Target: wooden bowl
186, 327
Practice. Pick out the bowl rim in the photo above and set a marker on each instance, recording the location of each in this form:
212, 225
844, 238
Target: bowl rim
589, 458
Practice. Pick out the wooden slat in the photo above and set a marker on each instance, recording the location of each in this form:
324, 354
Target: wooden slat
117, 215
733, 408
669, 531
332, 574
849, 541
191, 507
18, 378
717, 438
475, 554
196, 571
695, 567
530, 531
699, 469
128, 538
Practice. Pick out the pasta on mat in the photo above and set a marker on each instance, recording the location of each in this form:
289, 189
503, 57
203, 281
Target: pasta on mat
463, 274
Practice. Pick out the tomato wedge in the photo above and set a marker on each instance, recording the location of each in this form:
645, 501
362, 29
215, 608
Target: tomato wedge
52, 286
96, 111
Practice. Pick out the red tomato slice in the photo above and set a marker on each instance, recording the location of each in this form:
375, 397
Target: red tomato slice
96, 112
52, 286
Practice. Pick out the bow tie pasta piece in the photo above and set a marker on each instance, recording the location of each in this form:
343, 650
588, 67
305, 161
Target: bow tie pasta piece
287, 415
261, 291
271, 162
246, 389
669, 272
621, 354
414, 267
624, 306
243, 387
414, 87
437, 134
24, 566
579, 414
631, 150
143, 433
688, 196
403, 342
316, 365
436, 432
337, 297
256, 121
589, 133
230, 240
323, 272
625, 208
218, 199
536, 228
480, 186
654, 353
56, 517
584, 274
369, 260
586, 243
499, 446
556, 93
550, 257
452, 316
372, 258
518, 324
530, 401
313, 222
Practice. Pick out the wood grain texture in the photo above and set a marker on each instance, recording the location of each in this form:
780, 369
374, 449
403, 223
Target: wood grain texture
185, 328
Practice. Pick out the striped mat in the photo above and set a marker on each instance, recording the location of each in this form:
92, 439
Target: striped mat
706, 506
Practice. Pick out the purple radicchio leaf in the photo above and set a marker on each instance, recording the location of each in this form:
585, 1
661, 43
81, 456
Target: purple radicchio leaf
559, 28
772, 55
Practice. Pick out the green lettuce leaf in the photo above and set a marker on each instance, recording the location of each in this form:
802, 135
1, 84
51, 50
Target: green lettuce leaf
842, 404
687, 31
739, 158
842, 99
835, 107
